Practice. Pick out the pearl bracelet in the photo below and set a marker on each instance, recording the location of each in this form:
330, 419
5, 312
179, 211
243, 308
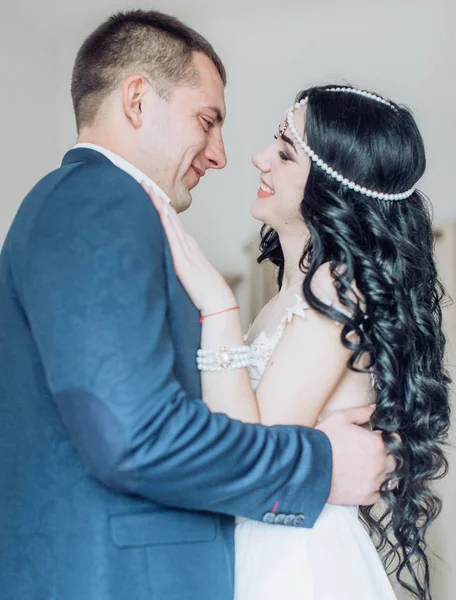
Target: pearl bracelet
225, 358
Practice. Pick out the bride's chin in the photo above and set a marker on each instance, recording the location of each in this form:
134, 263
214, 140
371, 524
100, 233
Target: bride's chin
263, 219
259, 211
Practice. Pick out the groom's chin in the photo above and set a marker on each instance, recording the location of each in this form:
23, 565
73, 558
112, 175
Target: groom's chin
183, 201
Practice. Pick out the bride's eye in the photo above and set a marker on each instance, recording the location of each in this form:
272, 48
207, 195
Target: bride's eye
281, 153
283, 156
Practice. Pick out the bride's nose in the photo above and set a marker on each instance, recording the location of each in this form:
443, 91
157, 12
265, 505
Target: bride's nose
261, 161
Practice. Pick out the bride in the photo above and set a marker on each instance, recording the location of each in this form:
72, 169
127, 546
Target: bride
357, 320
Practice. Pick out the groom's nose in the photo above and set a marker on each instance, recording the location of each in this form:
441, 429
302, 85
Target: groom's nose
215, 152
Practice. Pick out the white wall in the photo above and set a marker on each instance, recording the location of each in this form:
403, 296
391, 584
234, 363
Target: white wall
27, 111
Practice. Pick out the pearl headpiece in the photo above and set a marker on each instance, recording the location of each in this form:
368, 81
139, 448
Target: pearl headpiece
329, 170
369, 95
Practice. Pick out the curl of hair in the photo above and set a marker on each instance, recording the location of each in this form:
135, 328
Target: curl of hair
386, 248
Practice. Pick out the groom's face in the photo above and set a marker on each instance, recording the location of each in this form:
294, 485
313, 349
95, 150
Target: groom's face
183, 136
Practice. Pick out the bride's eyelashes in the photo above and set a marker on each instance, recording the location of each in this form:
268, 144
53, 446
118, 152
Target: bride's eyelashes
283, 155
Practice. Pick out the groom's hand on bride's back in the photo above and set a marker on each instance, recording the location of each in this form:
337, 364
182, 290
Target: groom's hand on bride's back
361, 461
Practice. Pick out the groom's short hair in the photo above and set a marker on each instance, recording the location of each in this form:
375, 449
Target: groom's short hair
151, 42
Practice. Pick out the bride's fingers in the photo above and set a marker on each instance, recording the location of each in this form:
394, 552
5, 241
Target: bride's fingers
163, 208
172, 224
167, 211
178, 251
168, 217
156, 201
176, 223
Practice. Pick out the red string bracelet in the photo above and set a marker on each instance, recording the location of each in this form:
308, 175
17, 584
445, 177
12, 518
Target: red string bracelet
218, 313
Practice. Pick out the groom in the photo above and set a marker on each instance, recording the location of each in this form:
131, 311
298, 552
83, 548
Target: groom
116, 482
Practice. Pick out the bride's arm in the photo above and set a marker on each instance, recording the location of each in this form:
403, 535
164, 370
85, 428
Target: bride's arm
305, 367
228, 390
304, 370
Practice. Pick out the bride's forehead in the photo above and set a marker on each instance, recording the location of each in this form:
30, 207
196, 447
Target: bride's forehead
299, 118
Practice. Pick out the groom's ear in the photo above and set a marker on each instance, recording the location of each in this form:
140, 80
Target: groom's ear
133, 89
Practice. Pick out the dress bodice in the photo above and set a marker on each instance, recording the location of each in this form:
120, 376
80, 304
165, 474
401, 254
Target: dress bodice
263, 344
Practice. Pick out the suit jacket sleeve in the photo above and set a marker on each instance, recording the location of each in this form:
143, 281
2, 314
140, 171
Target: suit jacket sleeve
94, 291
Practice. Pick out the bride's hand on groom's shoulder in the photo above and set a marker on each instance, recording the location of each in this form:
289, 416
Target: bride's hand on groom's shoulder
204, 284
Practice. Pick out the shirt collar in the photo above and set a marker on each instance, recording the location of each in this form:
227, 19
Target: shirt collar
126, 166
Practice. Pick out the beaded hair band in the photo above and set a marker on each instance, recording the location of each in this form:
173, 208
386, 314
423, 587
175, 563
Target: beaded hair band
369, 95
324, 166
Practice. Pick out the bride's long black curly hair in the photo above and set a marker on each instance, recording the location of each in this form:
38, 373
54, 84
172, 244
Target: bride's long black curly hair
386, 247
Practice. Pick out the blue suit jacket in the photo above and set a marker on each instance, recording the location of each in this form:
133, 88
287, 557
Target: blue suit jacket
116, 482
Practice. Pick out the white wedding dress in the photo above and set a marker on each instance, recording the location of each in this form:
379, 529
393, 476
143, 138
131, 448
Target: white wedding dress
336, 559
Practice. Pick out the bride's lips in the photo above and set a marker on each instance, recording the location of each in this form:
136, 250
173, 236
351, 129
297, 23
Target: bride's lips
264, 191
262, 194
